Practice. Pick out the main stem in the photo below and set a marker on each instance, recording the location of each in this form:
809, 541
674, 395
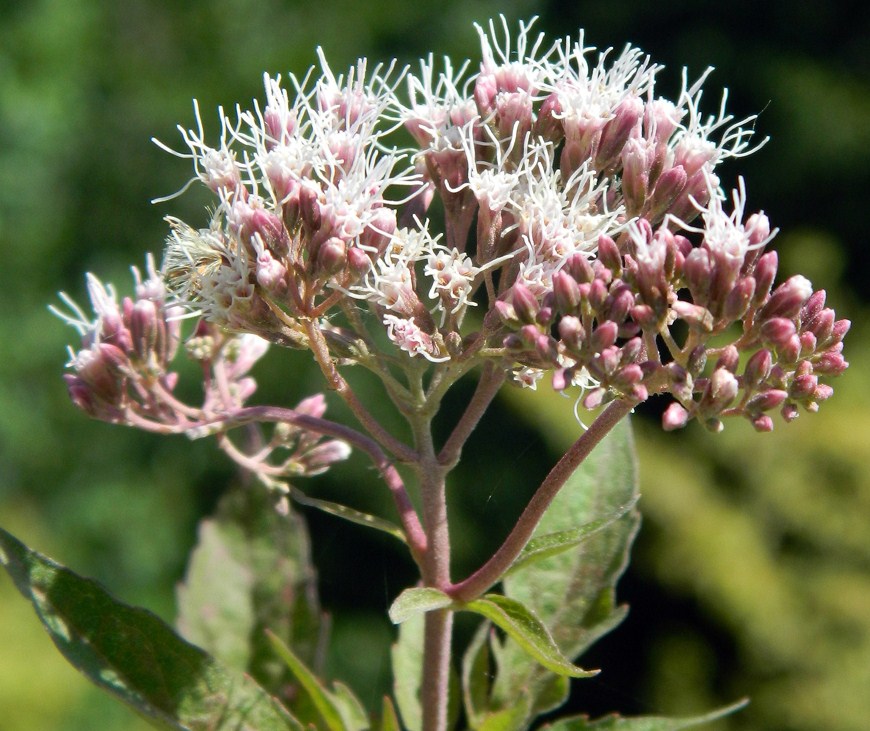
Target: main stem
436, 573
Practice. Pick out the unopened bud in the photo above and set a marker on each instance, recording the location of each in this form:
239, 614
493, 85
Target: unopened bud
566, 291
674, 417
728, 359
762, 423
670, 184
778, 331
764, 273
524, 302
604, 336
757, 367
695, 316
358, 260
331, 257
789, 412
738, 299
571, 331
616, 132
766, 400
608, 255
788, 298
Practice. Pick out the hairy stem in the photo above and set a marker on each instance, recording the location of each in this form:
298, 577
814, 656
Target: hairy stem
411, 525
336, 382
494, 568
487, 387
435, 573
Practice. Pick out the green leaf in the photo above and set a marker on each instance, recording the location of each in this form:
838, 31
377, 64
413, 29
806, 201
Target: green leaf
572, 591
522, 626
252, 570
135, 656
389, 719
511, 718
407, 661
476, 676
354, 516
417, 601
339, 710
641, 723
553, 544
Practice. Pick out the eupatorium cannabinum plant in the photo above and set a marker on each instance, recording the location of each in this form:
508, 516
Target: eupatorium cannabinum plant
547, 221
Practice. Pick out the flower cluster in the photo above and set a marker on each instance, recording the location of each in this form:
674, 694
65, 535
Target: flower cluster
122, 375
585, 233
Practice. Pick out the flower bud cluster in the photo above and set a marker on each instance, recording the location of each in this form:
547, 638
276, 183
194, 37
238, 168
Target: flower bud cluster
122, 374
125, 351
653, 313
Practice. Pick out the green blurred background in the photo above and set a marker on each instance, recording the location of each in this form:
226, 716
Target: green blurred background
751, 575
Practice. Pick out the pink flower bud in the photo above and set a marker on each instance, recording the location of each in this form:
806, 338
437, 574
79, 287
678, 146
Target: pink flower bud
788, 298
723, 388
358, 261
738, 299
144, 328
618, 305
615, 132
681, 381
580, 269
668, 188
635, 175
766, 400
571, 331
524, 302
604, 336
507, 313
831, 364
821, 323
813, 306
789, 412
791, 350
566, 292
762, 423
608, 255
331, 257
674, 417
841, 327
643, 315
728, 359
594, 398
597, 293
778, 331
757, 367
695, 316
803, 386
808, 343
765, 273
698, 272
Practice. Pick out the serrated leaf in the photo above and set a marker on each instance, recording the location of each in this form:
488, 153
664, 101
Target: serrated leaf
417, 600
641, 723
251, 570
527, 630
339, 710
572, 591
135, 656
354, 516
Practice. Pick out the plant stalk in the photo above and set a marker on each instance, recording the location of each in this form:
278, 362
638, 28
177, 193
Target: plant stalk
490, 573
